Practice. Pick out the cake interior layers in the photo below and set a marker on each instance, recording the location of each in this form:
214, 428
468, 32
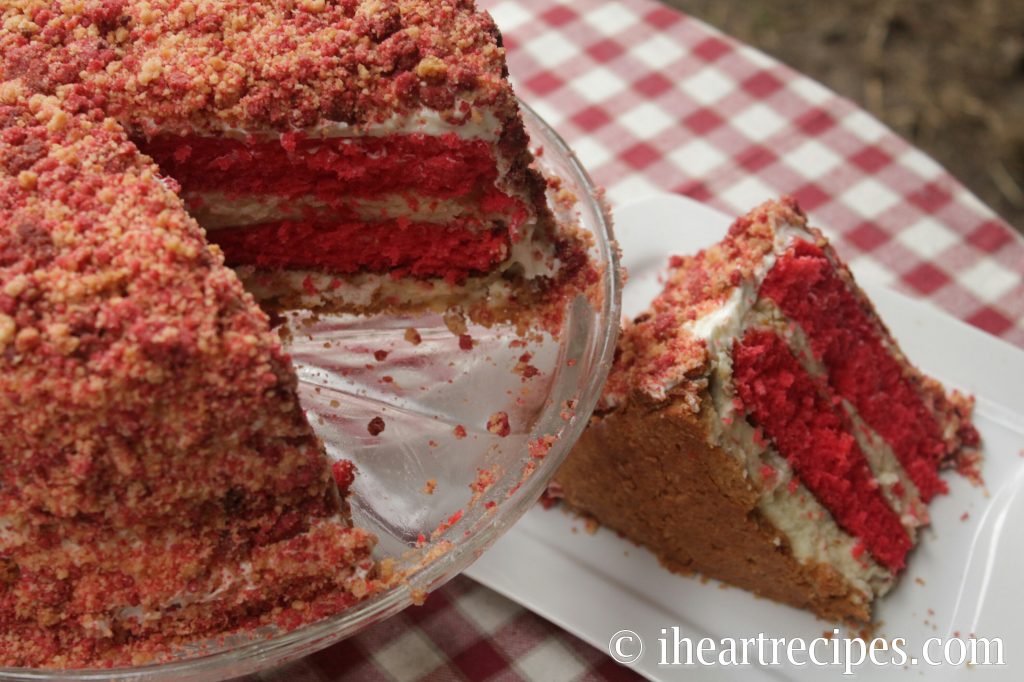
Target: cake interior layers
816, 373
861, 368
801, 419
424, 250
426, 206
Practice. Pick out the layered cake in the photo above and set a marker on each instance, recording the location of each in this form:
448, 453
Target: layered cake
762, 427
170, 172
160, 482
358, 156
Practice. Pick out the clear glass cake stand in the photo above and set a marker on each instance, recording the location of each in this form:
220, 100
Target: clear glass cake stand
423, 393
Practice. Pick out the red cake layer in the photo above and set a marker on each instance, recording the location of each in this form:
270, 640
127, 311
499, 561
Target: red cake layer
294, 165
452, 252
807, 288
815, 437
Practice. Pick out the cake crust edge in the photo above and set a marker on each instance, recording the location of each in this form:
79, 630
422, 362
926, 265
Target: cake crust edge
722, 535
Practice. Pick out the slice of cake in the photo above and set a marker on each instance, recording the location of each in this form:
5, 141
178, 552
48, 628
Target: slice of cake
357, 156
159, 480
762, 427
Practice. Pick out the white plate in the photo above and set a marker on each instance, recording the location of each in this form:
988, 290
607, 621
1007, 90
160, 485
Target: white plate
971, 568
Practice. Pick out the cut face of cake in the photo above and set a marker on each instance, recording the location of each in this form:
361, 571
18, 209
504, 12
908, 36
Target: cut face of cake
160, 482
353, 156
761, 426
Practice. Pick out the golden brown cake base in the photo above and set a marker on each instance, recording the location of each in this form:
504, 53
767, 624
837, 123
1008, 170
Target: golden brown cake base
650, 474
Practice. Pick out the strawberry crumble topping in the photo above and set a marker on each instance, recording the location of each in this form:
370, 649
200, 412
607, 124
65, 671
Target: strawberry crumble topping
498, 424
160, 482
376, 426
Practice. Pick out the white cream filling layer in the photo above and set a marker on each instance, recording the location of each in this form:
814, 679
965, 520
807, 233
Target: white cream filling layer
476, 124
216, 210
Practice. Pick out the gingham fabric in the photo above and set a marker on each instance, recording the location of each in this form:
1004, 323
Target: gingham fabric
654, 101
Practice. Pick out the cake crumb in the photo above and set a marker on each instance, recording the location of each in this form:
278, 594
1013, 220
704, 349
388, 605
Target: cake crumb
455, 320
344, 473
485, 478
551, 495
498, 424
380, 355
413, 336
459, 431
920, 581
540, 447
376, 426
7, 330
444, 526
465, 342
430, 486
523, 367
968, 465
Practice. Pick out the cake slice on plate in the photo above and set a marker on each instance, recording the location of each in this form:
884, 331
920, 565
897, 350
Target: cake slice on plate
762, 427
357, 156
160, 482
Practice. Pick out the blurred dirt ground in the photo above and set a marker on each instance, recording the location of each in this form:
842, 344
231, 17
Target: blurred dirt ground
948, 75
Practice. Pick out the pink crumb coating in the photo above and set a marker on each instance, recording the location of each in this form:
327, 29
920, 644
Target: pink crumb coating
180, 66
154, 445
657, 349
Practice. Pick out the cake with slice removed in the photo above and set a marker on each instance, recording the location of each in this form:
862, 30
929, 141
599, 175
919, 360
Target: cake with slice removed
762, 427
357, 156
159, 480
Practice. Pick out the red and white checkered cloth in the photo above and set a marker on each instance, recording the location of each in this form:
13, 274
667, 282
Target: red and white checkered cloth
654, 101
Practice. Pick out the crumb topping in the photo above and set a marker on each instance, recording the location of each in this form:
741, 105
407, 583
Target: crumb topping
658, 349
160, 479
179, 66
498, 424
376, 426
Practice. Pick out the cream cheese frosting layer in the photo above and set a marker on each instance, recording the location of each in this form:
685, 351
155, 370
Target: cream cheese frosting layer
475, 124
217, 210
